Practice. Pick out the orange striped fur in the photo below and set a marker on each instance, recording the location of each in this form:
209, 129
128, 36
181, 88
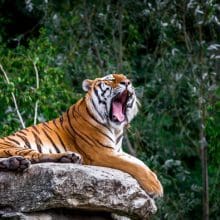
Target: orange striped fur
89, 132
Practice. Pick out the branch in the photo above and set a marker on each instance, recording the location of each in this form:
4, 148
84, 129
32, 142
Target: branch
202, 135
13, 97
91, 32
37, 87
120, 31
186, 35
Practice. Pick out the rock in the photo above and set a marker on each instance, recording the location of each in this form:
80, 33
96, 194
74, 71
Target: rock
53, 186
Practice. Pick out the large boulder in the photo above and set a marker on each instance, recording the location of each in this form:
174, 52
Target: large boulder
44, 189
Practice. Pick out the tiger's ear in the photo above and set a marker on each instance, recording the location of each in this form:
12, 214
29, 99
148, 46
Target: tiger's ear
86, 85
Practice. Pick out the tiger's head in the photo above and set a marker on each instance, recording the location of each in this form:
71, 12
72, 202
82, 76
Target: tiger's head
111, 99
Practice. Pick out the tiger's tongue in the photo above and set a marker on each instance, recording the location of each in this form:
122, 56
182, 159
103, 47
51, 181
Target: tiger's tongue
117, 111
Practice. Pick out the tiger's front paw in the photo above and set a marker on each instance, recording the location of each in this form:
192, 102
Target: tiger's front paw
156, 190
153, 186
71, 157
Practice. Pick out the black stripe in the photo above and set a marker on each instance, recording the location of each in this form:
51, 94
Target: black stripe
7, 152
104, 145
70, 133
61, 120
35, 128
18, 151
99, 85
88, 136
61, 141
97, 95
68, 118
45, 124
100, 131
82, 137
131, 104
102, 102
15, 141
23, 152
52, 142
103, 91
26, 152
91, 115
26, 141
62, 125
38, 142
22, 132
84, 154
54, 122
96, 109
70, 125
119, 138
76, 131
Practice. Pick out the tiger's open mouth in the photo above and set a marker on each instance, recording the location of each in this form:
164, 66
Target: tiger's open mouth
118, 107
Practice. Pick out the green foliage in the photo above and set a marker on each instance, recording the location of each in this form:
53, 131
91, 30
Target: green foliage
169, 49
55, 93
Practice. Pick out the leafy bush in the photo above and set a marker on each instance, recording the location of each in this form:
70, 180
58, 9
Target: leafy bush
54, 95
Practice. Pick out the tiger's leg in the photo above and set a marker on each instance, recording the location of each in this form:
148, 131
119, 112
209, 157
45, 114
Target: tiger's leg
129, 164
9, 151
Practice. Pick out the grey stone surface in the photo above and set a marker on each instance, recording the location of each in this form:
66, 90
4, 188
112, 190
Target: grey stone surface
53, 186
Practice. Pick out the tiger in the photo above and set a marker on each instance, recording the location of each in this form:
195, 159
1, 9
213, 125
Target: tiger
90, 132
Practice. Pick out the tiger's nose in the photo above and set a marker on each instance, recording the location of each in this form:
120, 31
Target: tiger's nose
125, 82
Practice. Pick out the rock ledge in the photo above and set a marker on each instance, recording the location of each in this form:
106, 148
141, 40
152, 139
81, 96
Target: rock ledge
49, 186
